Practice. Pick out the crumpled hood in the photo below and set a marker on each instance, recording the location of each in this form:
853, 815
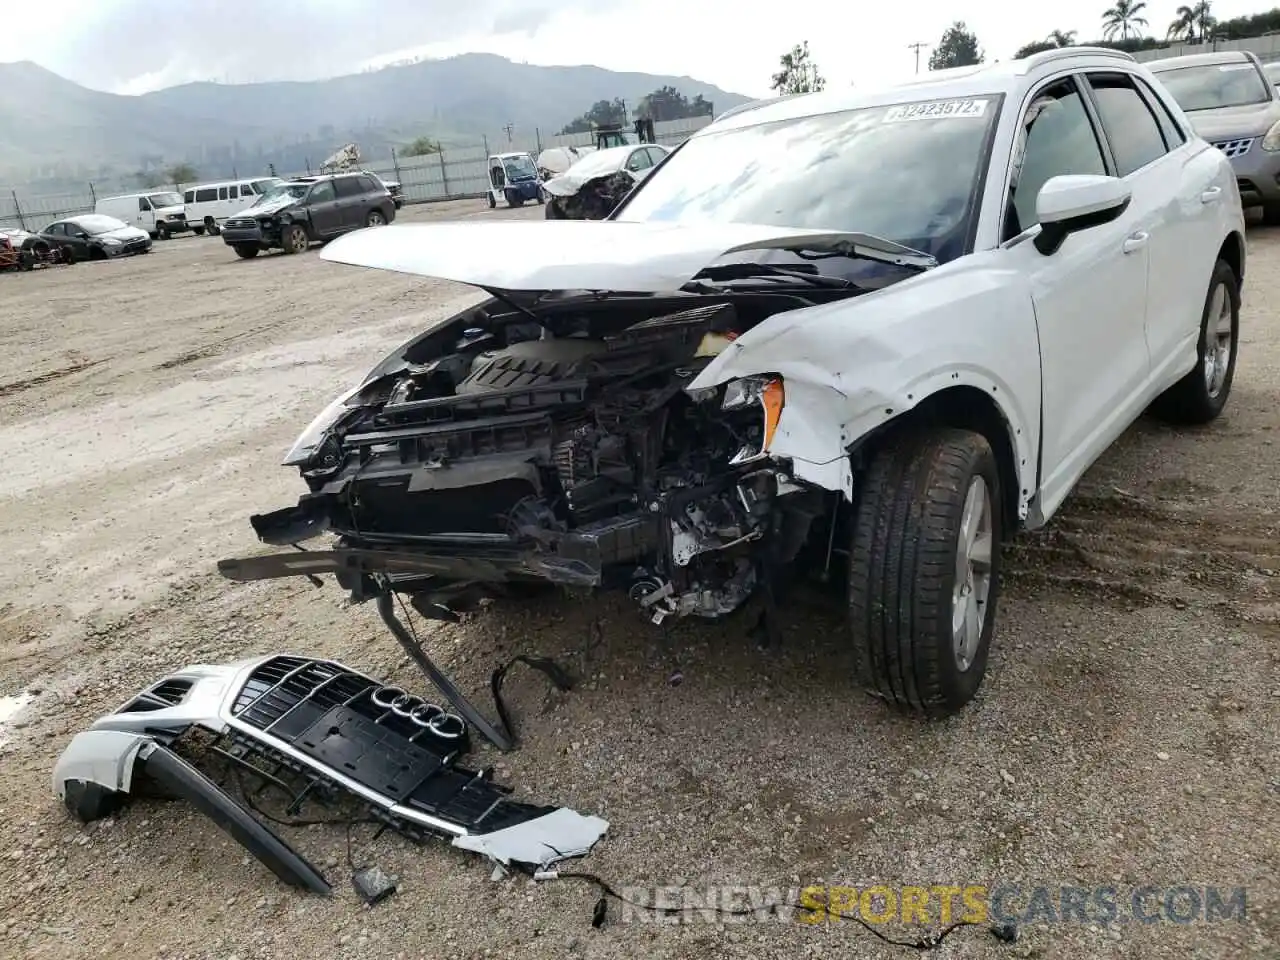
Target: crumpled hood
1250, 120
615, 255
568, 184
271, 206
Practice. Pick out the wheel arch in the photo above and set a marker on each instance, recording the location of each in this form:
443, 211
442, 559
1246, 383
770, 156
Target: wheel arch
1233, 252
966, 407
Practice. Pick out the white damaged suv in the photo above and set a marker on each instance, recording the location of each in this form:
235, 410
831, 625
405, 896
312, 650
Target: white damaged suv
866, 332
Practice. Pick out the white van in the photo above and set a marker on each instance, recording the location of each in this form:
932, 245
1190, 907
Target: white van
208, 204
159, 212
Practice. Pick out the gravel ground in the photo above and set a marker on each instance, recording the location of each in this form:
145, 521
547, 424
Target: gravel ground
1127, 734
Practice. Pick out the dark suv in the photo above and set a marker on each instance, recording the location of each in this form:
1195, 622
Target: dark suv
292, 214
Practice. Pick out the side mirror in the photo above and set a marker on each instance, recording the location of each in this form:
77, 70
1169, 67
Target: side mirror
1068, 204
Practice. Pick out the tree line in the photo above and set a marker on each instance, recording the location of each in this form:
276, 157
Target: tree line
665, 103
1124, 27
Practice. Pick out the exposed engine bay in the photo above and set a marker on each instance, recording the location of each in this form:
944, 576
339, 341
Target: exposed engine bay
594, 200
551, 439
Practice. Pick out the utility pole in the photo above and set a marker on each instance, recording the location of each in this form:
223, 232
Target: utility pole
917, 47
509, 127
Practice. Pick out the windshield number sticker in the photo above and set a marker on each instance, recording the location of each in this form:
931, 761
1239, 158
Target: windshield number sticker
937, 110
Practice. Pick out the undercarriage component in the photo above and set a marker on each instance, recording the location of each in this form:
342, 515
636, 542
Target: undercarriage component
324, 732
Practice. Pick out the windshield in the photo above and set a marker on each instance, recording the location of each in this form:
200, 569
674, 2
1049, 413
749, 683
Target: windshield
277, 190
165, 200
1215, 85
262, 186
520, 166
95, 224
908, 173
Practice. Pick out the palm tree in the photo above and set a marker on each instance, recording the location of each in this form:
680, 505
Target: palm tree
1204, 20
1123, 18
1187, 21
1062, 38
1183, 26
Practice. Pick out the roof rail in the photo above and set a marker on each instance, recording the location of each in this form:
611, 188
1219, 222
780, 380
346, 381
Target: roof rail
1062, 53
755, 105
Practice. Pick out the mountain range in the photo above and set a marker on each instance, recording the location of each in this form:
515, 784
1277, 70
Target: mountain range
51, 127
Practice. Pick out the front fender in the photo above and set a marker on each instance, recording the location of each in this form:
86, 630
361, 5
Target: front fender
853, 365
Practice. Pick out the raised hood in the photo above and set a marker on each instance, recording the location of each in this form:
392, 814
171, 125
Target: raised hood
650, 257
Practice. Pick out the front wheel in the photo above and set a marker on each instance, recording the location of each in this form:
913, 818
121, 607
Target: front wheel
1200, 396
375, 219
246, 251
293, 238
924, 570
162, 232
198, 231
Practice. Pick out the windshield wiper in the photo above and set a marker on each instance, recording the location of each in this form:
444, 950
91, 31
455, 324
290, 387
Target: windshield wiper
765, 271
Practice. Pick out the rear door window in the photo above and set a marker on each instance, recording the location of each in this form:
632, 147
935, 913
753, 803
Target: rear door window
206, 195
348, 186
1130, 127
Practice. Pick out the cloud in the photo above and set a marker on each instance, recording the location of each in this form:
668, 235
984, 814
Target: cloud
136, 45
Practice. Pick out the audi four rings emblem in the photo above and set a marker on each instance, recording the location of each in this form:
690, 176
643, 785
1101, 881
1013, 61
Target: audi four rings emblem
417, 711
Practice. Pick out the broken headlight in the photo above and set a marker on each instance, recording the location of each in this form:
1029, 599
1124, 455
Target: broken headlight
765, 393
318, 430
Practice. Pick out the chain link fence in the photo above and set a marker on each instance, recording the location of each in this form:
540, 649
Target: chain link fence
455, 173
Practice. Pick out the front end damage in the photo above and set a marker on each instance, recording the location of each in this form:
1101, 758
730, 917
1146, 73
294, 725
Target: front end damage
555, 442
317, 731
594, 199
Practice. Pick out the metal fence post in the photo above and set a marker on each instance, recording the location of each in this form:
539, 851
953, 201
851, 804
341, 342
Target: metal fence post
537, 137
444, 172
486, 148
395, 163
93, 194
18, 209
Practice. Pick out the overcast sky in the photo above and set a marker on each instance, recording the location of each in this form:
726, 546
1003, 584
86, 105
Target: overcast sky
132, 46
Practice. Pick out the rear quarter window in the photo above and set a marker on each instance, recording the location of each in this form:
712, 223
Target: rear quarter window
206, 195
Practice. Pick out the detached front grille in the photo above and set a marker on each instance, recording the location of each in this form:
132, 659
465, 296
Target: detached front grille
376, 735
1235, 148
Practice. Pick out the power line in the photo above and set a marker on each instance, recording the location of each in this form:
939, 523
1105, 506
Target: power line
917, 46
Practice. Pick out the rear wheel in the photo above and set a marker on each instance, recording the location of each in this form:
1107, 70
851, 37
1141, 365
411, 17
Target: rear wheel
293, 238
198, 231
246, 251
1200, 396
924, 570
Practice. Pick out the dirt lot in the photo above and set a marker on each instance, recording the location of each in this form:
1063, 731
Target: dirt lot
1127, 735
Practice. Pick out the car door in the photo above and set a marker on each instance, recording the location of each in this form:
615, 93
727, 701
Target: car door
351, 202
1089, 295
73, 235
322, 206
1182, 256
